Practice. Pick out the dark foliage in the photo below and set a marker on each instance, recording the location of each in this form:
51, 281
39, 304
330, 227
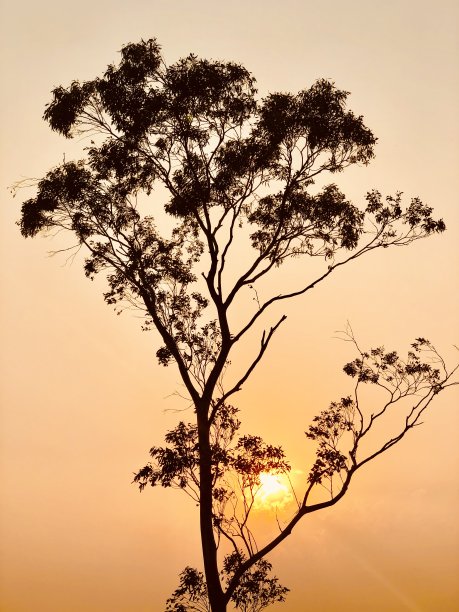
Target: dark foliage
234, 168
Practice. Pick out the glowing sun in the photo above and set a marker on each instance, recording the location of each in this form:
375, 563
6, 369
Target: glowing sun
273, 493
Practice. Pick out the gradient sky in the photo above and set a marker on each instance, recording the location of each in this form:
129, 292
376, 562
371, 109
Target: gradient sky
82, 396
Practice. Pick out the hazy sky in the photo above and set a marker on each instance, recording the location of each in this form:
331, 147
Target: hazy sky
82, 396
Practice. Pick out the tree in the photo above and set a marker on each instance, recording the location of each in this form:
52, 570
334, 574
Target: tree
241, 176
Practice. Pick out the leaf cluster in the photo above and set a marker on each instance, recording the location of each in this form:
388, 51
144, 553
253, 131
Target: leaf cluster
327, 430
256, 589
388, 369
177, 464
409, 386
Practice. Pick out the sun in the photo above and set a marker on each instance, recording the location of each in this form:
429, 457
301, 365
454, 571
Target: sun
274, 492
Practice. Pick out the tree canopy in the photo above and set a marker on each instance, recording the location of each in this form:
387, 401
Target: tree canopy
237, 170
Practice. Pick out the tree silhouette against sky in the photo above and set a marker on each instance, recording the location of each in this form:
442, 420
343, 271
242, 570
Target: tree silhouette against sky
241, 182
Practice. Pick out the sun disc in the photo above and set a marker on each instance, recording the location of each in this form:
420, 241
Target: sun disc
273, 492
271, 484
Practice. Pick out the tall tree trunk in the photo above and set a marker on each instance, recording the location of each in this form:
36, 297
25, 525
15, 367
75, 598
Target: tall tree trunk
209, 548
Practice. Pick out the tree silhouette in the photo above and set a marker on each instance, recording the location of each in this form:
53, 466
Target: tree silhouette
240, 175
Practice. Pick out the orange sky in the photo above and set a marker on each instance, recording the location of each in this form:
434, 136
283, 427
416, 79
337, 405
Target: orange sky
82, 396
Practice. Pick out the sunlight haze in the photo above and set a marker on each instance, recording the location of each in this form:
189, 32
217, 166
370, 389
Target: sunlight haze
83, 397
